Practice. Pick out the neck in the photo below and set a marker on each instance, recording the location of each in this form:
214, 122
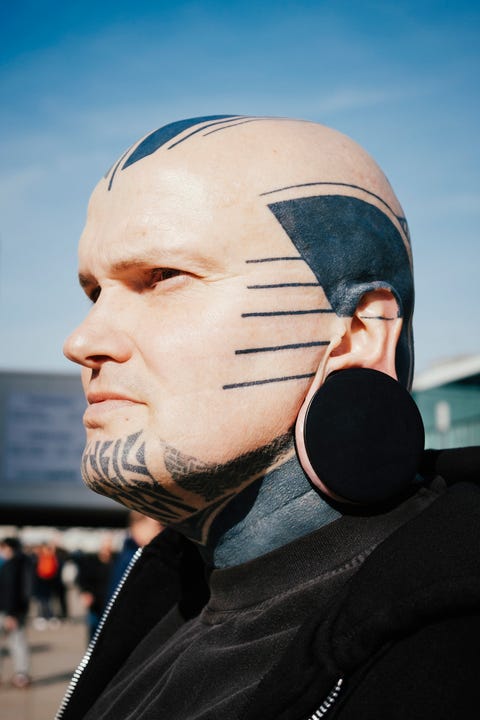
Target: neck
273, 511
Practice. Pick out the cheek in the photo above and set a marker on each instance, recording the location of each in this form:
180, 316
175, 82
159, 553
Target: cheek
221, 406
228, 375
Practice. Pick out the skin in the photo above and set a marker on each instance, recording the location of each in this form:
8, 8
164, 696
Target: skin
194, 367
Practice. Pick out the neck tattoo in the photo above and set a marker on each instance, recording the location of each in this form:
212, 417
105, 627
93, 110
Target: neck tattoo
241, 519
275, 510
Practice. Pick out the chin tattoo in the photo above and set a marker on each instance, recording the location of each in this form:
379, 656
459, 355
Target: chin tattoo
118, 469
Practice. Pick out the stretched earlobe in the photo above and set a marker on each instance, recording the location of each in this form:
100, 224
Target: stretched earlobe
361, 438
359, 435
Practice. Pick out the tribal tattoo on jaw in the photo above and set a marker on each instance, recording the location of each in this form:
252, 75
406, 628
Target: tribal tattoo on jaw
116, 468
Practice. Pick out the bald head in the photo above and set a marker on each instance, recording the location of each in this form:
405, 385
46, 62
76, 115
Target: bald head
329, 196
230, 260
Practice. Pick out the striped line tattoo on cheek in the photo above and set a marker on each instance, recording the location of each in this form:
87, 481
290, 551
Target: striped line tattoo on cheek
285, 314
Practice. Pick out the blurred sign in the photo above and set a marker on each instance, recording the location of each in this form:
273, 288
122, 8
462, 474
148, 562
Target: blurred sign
44, 437
41, 443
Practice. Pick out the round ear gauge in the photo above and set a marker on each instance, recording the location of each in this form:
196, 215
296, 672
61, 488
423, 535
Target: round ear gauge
364, 437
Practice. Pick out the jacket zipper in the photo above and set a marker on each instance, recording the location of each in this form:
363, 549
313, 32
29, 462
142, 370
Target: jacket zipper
328, 702
89, 652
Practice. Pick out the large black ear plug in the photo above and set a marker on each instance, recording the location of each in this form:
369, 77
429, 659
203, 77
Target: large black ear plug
364, 436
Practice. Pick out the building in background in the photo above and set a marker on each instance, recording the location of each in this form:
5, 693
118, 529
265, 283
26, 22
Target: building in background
448, 395
41, 443
42, 439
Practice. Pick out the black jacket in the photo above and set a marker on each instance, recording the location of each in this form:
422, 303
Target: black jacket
401, 640
165, 575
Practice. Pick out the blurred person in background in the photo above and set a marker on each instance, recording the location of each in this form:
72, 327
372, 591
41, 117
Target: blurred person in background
93, 580
47, 569
16, 574
141, 530
59, 588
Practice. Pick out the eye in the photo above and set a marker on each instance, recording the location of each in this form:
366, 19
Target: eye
161, 274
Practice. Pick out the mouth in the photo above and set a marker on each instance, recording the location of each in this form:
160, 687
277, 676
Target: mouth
102, 404
95, 398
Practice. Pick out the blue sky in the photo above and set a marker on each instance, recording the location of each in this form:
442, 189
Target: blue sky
81, 81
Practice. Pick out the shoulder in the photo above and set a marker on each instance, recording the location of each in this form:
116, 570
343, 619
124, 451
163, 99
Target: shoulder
430, 673
410, 621
403, 632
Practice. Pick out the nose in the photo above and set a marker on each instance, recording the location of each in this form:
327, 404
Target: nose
98, 339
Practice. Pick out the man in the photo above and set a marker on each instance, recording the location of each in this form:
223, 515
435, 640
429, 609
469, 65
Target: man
16, 574
234, 264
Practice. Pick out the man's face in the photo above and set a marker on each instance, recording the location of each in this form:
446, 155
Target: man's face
205, 330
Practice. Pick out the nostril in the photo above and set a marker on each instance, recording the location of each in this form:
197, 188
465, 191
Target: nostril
100, 338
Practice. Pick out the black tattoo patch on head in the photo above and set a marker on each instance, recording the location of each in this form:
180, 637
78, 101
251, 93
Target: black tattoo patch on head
352, 247
167, 133
400, 218
163, 135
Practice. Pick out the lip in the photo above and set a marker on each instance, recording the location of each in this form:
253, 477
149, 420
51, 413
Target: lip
94, 398
102, 404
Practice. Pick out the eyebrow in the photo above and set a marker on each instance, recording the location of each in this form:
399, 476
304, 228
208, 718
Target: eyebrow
144, 263
148, 261
87, 279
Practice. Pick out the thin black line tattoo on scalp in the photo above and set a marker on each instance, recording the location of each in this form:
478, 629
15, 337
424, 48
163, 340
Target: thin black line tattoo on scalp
227, 127
113, 169
204, 127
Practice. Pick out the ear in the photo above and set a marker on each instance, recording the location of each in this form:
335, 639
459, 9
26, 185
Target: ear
366, 340
371, 336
